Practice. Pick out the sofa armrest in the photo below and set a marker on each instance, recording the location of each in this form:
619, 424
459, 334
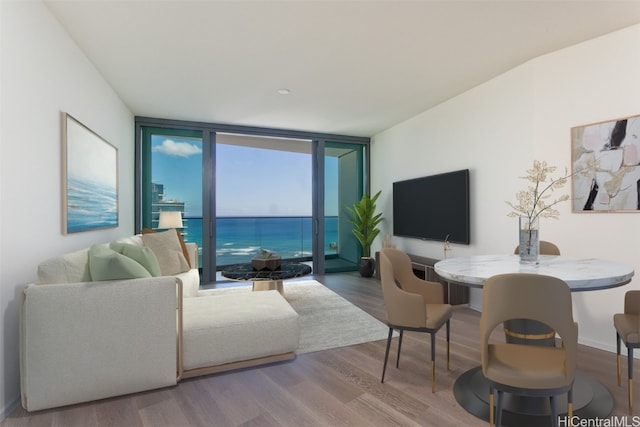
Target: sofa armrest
86, 341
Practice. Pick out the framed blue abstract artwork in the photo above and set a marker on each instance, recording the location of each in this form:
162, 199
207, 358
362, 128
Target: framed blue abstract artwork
90, 179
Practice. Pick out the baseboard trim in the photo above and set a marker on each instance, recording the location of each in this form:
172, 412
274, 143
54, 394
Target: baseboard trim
7, 410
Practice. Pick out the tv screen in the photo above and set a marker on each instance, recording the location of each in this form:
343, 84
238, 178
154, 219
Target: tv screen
434, 207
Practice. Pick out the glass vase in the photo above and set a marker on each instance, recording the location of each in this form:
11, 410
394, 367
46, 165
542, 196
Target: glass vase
529, 240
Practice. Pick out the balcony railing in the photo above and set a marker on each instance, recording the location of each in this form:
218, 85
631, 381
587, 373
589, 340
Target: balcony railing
238, 239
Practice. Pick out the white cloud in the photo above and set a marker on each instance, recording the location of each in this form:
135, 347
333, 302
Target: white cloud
177, 149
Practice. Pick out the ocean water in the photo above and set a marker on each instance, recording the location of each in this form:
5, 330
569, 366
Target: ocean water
238, 239
90, 206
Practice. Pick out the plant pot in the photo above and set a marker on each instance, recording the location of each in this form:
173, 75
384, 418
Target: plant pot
366, 266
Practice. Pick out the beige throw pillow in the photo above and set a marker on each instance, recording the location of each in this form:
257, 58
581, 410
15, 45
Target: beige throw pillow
166, 246
183, 245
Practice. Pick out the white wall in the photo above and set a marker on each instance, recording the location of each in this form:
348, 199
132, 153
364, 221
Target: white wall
497, 130
42, 74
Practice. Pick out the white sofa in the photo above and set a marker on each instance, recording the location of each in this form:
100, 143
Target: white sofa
83, 340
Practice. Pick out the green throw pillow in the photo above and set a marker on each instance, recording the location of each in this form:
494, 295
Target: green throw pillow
141, 254
107, 264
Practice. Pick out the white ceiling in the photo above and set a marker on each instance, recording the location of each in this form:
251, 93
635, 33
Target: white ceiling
353, 67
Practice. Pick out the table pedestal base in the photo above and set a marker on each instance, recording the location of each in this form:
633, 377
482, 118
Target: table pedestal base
268, 285
590, 400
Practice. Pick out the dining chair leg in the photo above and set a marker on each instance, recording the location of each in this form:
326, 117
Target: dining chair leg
554, 411
630, 369
618, 357
499, 409
448, 345
570, 403
399, 348
433, 362
491, 407
386, 353
630, 396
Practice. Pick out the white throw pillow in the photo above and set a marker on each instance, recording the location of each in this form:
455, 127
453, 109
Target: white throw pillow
68, 268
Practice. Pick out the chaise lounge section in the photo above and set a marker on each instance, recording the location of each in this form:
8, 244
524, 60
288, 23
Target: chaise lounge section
231, 331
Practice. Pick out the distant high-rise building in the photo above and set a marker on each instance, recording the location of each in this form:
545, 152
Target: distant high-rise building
160, 204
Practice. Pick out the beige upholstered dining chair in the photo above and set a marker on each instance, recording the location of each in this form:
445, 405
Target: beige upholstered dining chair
526, 369
627, 326
546, 248
412, 304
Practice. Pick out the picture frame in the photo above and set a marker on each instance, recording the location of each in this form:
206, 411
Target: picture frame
605, 162
89, 179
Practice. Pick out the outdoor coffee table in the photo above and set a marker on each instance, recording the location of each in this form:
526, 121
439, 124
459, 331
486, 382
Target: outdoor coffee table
264, 280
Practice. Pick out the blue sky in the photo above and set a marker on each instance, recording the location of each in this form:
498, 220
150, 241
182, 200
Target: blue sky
177, 163
250, 181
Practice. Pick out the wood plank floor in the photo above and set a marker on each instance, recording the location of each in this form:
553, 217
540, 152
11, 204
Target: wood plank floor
329, 388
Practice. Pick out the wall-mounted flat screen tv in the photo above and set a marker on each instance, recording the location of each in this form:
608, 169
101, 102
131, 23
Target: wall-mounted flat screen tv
434, 207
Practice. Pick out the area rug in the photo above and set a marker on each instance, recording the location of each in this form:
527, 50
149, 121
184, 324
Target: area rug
326, 319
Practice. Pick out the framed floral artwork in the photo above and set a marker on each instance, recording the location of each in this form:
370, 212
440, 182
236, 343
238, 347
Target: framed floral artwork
90, 179
605, 165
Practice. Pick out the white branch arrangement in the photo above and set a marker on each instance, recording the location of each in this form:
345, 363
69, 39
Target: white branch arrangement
535, 202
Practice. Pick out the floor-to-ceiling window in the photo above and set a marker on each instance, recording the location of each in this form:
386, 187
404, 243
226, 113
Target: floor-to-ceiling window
243, 189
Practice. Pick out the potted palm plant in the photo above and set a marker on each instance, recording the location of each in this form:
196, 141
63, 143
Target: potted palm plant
365, 227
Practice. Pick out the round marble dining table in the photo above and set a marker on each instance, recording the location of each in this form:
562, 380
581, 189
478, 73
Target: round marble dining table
591, 399
581, 274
